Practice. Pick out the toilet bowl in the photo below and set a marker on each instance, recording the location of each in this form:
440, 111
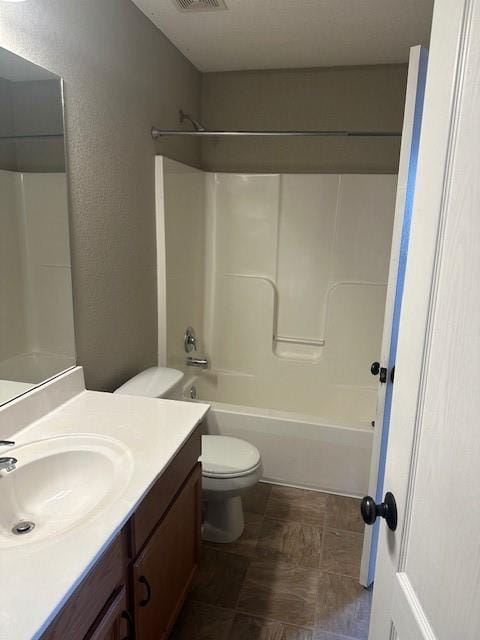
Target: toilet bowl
230, 466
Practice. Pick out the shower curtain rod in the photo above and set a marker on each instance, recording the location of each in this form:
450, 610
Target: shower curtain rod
160, 133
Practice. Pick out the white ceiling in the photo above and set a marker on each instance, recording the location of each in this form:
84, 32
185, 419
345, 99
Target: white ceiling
276, 34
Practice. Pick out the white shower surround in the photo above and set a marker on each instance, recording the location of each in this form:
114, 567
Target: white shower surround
36, 323
250, 257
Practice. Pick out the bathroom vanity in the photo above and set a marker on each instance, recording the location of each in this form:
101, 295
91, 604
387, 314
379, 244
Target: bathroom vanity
138, 586
113, 486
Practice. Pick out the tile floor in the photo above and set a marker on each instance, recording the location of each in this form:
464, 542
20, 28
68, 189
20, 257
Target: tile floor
293, 575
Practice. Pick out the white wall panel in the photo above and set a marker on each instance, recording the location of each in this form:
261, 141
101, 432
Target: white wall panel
13, 336
36, 311
242, 330
49, 293
307, 224
184, 221
366, 205
354, 332
304, 256
247, 219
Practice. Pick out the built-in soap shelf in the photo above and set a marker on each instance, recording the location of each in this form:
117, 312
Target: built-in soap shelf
296, 347
283, 346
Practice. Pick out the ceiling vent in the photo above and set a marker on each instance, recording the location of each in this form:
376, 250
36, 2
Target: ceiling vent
192, 6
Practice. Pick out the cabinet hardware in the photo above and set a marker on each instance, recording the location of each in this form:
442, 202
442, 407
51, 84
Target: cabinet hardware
143, 580
126, 615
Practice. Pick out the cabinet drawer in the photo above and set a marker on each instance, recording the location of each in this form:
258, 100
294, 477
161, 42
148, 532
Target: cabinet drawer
163, 491
115, 622
163, 572
87, 602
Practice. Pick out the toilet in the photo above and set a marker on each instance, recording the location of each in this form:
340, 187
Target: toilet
230, 466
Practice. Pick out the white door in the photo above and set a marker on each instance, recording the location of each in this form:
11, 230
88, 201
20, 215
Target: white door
427, 583
417, 69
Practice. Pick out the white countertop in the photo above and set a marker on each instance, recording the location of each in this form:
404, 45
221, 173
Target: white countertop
39, 577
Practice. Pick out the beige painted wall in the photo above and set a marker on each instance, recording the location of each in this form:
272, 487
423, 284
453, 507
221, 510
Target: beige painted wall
121, 77
368, 98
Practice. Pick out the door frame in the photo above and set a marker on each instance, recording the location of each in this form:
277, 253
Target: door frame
443, 98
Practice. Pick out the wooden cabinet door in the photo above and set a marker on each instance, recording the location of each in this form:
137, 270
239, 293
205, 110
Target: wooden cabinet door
163, 572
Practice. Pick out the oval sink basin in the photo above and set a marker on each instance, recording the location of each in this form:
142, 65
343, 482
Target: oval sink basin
60, 483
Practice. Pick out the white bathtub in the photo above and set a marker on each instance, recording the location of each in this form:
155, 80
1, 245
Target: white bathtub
298, 450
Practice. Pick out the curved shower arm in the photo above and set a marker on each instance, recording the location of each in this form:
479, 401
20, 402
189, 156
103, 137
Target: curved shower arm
185, 116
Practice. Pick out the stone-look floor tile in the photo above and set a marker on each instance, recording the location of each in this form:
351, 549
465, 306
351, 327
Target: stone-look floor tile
344, 513
343, 606
219, 578
281, 592
250, 628
199, 621
256, 498
247, 543
342, 552
297, 505
292, 542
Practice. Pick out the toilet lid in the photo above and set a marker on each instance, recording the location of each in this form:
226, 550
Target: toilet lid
225, 457
155, 382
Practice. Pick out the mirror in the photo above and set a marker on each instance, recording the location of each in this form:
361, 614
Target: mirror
36, 312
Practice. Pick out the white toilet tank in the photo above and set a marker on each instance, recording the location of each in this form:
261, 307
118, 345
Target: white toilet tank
155, 382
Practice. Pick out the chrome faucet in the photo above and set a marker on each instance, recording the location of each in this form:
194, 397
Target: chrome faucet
202, 363
190, 340
8, 464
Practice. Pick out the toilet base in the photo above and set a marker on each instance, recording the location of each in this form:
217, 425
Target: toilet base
223, 520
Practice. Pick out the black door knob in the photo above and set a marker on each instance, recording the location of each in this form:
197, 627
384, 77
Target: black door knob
386, 509
376, 369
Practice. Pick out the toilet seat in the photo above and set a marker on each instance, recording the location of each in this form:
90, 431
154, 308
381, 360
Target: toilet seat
226, 457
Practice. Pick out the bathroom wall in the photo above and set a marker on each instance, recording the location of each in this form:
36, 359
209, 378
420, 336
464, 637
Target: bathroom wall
358, 98
295, 270
121, 77
36, 315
